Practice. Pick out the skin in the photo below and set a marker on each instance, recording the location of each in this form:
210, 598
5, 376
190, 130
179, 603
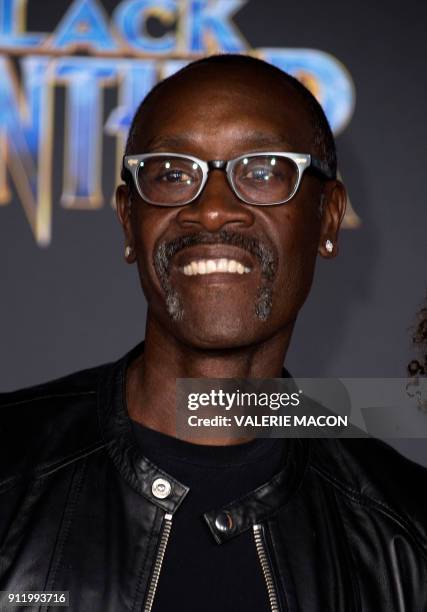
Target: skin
221, 112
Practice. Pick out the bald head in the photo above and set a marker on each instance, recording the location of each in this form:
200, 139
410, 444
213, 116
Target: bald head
218, 77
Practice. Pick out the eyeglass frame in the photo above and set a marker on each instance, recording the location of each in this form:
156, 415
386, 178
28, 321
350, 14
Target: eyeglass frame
303, 161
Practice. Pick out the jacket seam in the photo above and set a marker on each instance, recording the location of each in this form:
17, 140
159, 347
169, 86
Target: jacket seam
352, 565
277, 575
44, 397
64, 529
366, 501
50, 469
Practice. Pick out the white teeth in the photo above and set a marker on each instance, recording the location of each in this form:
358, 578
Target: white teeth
222, 265
209, 266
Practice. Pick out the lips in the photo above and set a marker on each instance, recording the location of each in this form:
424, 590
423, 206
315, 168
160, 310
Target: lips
194, 256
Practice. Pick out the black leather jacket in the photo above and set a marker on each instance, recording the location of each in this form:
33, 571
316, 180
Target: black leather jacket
341, 528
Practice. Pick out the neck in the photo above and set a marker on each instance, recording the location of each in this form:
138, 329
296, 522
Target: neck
151, 378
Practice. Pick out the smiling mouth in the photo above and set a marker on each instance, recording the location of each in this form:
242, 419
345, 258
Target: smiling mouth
216, 262
214, 266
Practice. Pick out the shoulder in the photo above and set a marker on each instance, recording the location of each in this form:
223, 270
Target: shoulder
81, 382
46, 425
374, 475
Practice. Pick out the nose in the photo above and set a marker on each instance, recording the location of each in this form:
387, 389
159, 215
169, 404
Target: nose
217, 206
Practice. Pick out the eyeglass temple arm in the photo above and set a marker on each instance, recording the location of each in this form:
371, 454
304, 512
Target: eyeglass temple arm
321, 167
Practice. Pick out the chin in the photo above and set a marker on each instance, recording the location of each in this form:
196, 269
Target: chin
206, 336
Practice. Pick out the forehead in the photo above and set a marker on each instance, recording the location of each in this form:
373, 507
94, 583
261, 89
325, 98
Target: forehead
225, 108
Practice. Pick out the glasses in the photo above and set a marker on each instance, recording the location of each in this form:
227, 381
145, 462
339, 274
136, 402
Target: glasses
261, 179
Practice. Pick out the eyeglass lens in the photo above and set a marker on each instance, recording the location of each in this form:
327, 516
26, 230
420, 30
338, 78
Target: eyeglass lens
262, 180
169, 180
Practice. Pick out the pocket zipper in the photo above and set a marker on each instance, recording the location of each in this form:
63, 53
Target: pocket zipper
167, 526
266, 568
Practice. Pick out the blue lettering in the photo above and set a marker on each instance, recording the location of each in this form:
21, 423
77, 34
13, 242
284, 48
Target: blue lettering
130, 17
84, 78
209, 27
84, 25
324, 75
12, 25
137, 77
26, 128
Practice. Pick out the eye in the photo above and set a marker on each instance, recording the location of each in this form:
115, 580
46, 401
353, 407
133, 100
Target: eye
175, 176
173, 172
259, 174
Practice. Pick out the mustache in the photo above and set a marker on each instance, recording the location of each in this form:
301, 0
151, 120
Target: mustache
265, 254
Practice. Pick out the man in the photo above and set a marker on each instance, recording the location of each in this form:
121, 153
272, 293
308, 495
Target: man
98, 496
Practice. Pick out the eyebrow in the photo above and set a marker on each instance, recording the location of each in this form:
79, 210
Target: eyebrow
253, 141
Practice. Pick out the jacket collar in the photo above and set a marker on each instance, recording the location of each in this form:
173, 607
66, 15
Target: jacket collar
140, 473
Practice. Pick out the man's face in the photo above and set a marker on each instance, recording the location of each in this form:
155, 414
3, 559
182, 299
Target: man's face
215, 114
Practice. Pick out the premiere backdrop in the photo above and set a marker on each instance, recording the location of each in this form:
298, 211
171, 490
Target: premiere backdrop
71, 75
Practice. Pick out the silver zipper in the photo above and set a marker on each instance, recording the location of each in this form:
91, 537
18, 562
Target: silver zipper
167, 526
266, 569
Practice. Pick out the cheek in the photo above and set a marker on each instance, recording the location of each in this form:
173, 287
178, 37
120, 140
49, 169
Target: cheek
297, 233
298, 239
148, 224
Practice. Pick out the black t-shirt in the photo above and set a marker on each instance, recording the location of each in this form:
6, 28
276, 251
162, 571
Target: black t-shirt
197, 573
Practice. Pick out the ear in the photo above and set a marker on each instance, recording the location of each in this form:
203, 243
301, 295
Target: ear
124, 211
334, 200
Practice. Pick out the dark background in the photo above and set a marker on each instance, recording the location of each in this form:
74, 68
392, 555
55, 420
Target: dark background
77, 304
